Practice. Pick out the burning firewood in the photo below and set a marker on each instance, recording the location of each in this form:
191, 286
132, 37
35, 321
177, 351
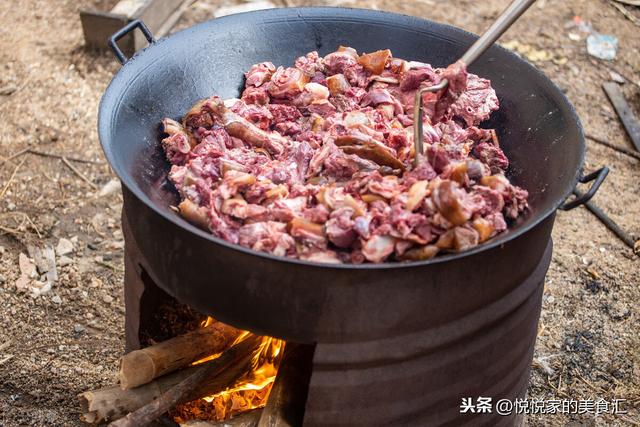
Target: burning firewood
285, 406
241, 355
142, 366
147, 402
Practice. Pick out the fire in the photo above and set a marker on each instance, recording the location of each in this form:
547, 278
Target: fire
250, 391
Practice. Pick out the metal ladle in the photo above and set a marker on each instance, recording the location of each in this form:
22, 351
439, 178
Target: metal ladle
493, 33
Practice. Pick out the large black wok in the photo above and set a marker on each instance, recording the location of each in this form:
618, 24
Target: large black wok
303, 301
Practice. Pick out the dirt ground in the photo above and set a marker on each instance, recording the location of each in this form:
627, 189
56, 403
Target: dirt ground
68, 339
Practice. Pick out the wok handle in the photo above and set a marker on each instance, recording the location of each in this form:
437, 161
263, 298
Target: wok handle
113, 40
597, 177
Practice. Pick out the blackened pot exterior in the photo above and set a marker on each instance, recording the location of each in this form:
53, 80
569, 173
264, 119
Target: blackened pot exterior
319, 303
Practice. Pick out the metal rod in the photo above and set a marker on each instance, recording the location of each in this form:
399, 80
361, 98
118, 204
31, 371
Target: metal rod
623, 150
418, 131
493, 33
625, 237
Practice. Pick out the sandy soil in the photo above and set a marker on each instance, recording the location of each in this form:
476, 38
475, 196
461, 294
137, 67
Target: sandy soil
67, 340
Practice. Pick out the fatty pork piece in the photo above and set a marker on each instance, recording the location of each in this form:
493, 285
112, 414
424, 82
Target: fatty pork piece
315, 161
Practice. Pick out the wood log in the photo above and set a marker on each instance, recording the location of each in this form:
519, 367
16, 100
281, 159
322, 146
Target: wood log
240, 355
286, 404
113, 403
143, 366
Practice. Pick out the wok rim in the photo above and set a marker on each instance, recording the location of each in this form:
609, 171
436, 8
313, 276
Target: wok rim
121, 82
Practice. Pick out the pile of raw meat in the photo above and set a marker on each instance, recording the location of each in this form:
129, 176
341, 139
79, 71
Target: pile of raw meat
315, 161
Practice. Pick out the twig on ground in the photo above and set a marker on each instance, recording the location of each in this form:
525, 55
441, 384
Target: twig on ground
60, 156
603, 63
629, 2
33, 225
630, 16
605, 219
6, 359
623, 150
13, 175
109, 266
13, 156
12, 96
629, 420
77, 172
10, 230
591, 386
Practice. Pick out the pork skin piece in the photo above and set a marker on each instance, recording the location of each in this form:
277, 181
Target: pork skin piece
368, 148
196, 215
241, 128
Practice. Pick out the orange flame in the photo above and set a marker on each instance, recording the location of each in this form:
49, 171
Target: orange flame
251, 390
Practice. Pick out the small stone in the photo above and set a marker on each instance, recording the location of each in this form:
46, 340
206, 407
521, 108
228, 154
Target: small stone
65, 247
64, 260
575, 37
56, 299
107, 298
616, 77
22, 283
550, 299
27, 268
109, 188
2, 278
78, 328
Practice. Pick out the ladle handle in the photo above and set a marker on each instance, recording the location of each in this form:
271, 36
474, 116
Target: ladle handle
493, 33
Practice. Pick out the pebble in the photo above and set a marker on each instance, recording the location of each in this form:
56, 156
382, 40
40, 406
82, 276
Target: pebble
56, 299
78, 328
110, 187
107, 298
2, 278
64, 260
617, 77
65, 247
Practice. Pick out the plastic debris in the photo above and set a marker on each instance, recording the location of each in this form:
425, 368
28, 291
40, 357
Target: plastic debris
602, 46
579, 24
